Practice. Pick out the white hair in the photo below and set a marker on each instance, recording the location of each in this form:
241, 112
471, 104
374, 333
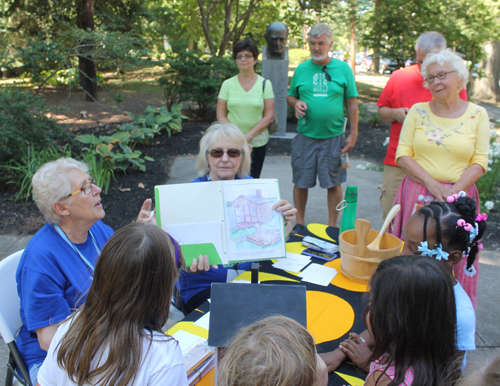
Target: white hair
450, 57
320, 29
227, 132
51, 184
430, 41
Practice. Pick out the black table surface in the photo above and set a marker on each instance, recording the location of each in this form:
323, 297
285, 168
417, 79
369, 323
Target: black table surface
347, 373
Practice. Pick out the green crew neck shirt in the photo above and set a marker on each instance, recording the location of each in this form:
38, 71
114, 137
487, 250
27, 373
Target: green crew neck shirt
325, 99
245, 108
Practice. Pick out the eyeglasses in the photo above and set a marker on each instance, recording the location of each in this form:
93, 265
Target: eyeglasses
246, 56
86, 189
440, 76
327, 75
218, 153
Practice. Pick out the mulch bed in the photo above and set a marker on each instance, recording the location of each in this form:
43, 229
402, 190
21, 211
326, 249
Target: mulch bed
128, 191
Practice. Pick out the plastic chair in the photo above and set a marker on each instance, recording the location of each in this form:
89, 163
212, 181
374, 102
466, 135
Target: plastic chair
10, 319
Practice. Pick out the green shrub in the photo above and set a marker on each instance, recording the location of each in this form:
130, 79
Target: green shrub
99, 169
489, 184
197, 78
23, 123
298, 55
20, 173
154, 120
117, 150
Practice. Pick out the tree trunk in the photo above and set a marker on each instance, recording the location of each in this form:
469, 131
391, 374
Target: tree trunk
376, 49
88, 75
352, 54
487, 88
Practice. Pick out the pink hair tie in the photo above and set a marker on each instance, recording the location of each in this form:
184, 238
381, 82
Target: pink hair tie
450, 199
468, 227
479, 245
481, 217
461, 222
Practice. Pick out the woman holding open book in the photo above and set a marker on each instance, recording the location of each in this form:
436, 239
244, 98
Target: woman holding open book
224, 155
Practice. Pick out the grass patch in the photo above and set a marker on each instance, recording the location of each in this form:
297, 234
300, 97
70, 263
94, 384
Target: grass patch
145, 86
369, 91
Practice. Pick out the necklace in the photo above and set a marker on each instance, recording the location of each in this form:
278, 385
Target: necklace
84, 259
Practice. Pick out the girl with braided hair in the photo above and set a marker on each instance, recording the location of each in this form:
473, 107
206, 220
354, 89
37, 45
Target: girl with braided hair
447, 231
451, 231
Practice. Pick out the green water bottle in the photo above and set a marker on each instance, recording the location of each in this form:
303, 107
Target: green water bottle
349, 213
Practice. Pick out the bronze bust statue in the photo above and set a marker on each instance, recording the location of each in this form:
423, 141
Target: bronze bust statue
276, 36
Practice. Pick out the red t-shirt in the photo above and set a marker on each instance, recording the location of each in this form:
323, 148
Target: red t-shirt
404, 89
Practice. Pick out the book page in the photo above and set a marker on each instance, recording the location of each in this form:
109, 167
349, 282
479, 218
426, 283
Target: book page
253, 230
202, 233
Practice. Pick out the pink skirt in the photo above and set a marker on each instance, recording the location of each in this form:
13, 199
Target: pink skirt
407, 196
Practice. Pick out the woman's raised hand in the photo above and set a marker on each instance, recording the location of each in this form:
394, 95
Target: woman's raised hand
145, 214
286, 208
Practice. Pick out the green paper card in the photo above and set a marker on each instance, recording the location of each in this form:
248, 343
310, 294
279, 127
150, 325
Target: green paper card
192, 251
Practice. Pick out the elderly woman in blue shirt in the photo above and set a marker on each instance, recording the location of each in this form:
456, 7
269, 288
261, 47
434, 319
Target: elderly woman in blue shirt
57, 266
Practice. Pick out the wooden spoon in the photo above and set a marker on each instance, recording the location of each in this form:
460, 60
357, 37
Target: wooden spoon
375, 244
362, 227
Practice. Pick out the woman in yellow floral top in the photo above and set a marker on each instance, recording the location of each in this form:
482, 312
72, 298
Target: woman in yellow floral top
443, 147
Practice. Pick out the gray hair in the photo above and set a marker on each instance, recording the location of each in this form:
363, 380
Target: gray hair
430, 41
320, 29
228, 132
51, 184
450, 57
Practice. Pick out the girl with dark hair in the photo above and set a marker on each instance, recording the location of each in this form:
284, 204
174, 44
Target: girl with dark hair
450, 231
412, 318
245, 101
115, 338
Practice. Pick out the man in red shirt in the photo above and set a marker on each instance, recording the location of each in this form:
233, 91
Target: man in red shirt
404, 89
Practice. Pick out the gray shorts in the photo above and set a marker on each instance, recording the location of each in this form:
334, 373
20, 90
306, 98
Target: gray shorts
321, 157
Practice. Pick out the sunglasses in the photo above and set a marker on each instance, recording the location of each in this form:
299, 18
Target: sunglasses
218, 153
327, 75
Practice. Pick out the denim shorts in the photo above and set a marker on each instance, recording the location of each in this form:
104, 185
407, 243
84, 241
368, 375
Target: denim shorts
317, 157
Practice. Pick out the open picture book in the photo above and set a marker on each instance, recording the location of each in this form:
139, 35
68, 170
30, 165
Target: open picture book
229, 221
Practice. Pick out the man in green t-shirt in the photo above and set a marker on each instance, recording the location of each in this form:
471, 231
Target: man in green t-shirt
318, 90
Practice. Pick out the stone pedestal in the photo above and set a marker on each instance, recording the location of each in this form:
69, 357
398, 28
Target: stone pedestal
276, 70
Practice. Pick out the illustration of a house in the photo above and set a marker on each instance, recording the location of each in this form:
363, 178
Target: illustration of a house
252, 209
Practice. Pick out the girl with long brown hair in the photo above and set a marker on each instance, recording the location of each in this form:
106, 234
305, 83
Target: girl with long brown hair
115, 339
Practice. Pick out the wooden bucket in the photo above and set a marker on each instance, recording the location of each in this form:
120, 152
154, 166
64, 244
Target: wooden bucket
358, 261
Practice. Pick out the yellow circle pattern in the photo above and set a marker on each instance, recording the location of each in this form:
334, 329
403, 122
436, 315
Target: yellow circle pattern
328, 316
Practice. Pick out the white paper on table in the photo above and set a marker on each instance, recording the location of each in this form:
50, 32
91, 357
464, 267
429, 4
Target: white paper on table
204, 321
318, 274
187, 340
290, 265
299, 258
208, 232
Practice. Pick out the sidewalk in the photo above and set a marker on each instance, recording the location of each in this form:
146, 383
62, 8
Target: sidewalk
368, 207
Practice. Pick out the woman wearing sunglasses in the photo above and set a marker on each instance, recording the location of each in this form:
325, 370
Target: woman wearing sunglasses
57, 266
224, 155
247, 103
443, 146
